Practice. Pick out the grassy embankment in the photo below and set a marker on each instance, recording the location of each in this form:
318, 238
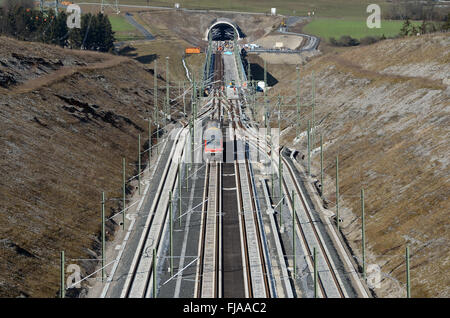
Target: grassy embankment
386, 120
124, 31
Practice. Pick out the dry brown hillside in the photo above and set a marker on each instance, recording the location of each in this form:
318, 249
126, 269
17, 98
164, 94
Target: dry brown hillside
67, 118
384, 110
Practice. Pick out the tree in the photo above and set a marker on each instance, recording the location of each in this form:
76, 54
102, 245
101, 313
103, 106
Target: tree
446, 25
75, 38
106, 43
26, 23
406, 28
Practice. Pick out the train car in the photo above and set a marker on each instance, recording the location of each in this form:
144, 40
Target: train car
213, 141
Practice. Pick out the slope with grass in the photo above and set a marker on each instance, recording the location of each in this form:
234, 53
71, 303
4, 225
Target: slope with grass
384, 110
123, 30
67, 118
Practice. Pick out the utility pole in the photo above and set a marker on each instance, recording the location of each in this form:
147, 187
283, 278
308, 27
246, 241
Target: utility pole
123, 193
167, 91
265, 75
56, 7
313, 127
192, 140
115, 6
293, 234
194, 97
309, 147
297, 127
315, 273
265, 95
155, 90
149, 141
279, 115
408, 281
272, 172
171, 233
280, 179
321, 165
179, 193
154, 273
62, 292
103, 236
157, 139
363, 234
139, 164
337, 192
184, 100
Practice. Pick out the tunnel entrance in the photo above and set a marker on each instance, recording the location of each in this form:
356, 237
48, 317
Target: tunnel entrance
222, 32
223, 29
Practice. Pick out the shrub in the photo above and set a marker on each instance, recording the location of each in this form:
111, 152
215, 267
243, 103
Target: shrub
345, 40
369, 40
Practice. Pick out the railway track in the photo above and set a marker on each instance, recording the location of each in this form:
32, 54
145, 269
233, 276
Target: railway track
306, 229
244, 260
139, 281
308, 220
256, 271
209, 270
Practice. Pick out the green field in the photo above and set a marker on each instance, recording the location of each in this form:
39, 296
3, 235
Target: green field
322, 8
124, 31
327, 28
119, 24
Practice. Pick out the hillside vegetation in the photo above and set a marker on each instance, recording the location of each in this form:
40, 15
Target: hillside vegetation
384, 110
67, 118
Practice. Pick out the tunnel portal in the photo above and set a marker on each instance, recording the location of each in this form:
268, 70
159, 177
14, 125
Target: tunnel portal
223, 30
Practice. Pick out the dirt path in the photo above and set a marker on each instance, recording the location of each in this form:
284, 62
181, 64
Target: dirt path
48, 79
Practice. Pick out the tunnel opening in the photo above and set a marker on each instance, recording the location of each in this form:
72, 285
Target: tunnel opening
223, 32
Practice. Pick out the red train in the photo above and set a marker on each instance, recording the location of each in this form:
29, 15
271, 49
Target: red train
212, 139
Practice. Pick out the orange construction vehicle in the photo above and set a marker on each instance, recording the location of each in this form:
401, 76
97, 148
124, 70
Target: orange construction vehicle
192, 50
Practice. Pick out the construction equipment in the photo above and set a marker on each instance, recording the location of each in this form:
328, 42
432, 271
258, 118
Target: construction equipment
192, 50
